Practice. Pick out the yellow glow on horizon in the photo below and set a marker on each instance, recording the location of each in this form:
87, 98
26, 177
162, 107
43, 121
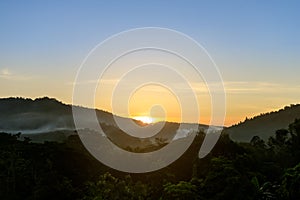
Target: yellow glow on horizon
243, 99
145, 119
155, 102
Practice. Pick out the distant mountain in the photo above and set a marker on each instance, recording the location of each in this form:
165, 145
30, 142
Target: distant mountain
47, 119
42, 115
34, 116
264, 125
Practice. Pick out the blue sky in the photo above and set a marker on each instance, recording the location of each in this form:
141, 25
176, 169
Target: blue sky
254, 43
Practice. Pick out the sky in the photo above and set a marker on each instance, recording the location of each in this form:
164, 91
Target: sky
255, 44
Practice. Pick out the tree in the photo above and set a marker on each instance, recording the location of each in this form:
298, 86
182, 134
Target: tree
223, 181
256, 141
181, 190
281, 138
110, 187
295, 139
290, 185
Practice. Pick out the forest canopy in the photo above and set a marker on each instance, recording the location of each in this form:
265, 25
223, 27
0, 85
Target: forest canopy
253, 170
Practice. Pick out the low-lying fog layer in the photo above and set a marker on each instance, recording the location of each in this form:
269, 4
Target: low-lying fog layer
49, 115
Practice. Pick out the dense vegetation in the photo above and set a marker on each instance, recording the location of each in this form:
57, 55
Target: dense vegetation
254, 170
264, 125
290, 108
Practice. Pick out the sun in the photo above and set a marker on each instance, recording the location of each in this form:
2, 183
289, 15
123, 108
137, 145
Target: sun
144, 119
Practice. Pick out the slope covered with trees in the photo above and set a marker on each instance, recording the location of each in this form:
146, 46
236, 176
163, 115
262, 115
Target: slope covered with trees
264, 125
254, 170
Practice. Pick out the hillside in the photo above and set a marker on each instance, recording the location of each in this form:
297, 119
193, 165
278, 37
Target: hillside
41, 115
47, 119
66, 170
264, 125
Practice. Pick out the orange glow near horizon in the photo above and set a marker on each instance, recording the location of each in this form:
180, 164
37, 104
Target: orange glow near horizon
156, 103
243, 99
145, 119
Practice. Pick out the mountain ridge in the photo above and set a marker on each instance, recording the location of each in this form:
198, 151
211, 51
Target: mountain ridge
47, 119
264, 125
51, 116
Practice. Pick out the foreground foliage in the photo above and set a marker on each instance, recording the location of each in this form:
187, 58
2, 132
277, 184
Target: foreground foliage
254, 170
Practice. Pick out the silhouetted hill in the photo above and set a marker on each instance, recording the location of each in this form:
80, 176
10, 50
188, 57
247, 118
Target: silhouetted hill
41, 115
264, 125
47, 119
34, 116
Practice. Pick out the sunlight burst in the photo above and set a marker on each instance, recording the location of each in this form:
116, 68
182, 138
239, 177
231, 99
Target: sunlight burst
144, 119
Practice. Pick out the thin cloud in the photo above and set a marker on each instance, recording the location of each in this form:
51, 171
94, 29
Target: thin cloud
230, 87
258, 87
87, 82
9, 75
5, 72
